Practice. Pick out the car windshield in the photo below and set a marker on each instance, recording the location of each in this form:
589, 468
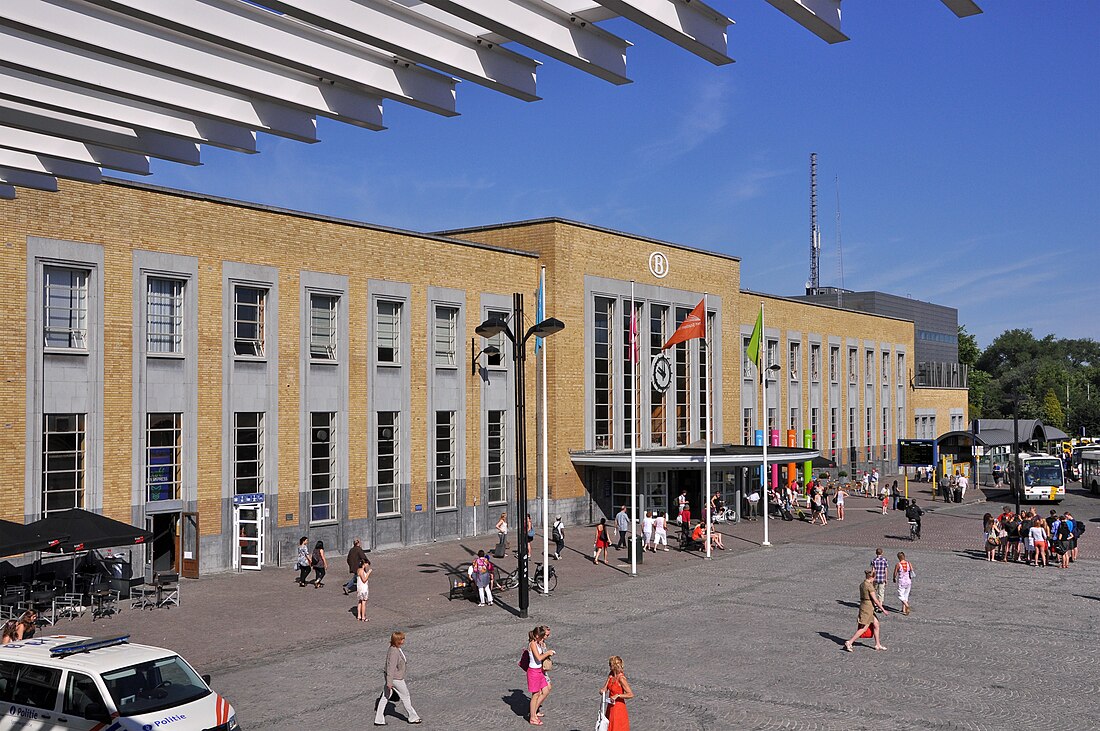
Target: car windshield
1047, 473
154, 685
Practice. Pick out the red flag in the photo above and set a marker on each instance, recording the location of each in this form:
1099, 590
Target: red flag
694, 326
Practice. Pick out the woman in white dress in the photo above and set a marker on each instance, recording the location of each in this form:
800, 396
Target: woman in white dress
362, 590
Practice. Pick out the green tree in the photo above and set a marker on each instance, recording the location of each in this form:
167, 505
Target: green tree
1053, 413
969, 352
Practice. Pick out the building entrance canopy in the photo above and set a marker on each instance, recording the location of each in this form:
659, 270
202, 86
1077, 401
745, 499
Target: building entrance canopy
721, 456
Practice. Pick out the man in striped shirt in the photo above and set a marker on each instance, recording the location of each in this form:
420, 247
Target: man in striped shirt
881, 566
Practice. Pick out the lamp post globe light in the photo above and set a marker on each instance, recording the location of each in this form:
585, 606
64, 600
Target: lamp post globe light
546, 328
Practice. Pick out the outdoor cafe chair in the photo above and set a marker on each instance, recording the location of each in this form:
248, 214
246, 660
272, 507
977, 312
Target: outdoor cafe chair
168, 589
142, 595
43, 602
70, 605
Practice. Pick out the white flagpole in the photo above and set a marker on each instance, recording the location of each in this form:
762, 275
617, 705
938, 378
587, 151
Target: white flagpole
762, 371
633, 439
545, 458
706, 377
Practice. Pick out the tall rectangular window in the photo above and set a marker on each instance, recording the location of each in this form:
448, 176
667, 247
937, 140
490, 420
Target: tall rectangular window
445, 464
498, 341
795, 422
870, 416
772, 422
815, 424
164, 315
630, 390
657, 429
66, 308
704, 403
772, 356
323, 311
747, 426
748, 368
902, 376
682, 372
885, 428
322, 466
901, 422
885, 369
815, 362
387, 331
869, 367
603, 407
63, 461
834, 430
795, 357
853, 426
389, 459
248, 452
249, 304
853, 366
494, 457
445, 335
163, 456
834, 364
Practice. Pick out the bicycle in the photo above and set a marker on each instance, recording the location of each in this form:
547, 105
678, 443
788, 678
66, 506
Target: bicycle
506, 582
914, 530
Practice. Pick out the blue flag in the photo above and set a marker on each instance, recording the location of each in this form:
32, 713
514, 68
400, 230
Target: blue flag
540, 311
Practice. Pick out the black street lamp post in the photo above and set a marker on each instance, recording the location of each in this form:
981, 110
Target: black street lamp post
546, 328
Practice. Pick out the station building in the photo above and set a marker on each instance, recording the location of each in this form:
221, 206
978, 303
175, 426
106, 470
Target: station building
234, 376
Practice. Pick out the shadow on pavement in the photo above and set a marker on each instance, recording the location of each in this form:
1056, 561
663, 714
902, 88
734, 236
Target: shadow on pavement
518, 701
829, 636
853, 605
1086, 596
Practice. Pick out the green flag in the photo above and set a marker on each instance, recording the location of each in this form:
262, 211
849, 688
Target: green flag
754, 341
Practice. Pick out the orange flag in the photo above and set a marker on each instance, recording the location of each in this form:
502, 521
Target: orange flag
692, 327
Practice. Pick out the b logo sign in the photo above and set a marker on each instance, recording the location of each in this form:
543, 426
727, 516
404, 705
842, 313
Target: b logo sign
658, 264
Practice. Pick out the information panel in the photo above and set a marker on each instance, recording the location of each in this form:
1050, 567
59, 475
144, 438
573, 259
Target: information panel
916, 452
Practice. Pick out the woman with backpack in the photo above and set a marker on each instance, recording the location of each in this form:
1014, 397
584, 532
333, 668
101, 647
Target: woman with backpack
320, 564
483, 578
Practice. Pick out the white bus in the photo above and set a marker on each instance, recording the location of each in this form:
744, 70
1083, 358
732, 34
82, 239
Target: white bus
1090, 470
1044, 478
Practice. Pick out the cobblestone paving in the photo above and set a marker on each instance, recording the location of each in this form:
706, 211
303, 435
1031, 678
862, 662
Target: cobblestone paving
747, 640
747, 644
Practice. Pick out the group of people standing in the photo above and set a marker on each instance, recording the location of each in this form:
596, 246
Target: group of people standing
872, 596
537, 661
359, 567
1026, 537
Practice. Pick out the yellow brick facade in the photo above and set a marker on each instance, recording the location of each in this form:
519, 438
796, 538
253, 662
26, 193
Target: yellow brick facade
493, 261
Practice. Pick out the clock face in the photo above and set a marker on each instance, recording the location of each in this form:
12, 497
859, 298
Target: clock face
662, 372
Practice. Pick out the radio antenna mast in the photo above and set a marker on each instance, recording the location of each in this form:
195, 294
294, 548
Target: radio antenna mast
815, 233
839, 248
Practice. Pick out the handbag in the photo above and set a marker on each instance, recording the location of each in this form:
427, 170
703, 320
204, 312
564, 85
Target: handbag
547, 665
601, 720
867, 633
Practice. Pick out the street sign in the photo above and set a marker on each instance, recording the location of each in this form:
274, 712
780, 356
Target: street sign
916, 452
252, 498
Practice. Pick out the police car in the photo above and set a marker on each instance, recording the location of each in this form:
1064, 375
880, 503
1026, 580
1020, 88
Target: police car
86, 684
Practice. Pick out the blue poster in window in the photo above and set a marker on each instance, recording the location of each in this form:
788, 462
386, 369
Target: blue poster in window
160, 478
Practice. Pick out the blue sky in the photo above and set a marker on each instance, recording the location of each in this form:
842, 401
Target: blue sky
967, 153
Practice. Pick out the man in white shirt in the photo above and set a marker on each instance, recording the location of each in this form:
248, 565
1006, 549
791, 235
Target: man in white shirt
647, 531
754, 502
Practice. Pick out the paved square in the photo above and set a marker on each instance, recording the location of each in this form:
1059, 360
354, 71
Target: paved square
748, 643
